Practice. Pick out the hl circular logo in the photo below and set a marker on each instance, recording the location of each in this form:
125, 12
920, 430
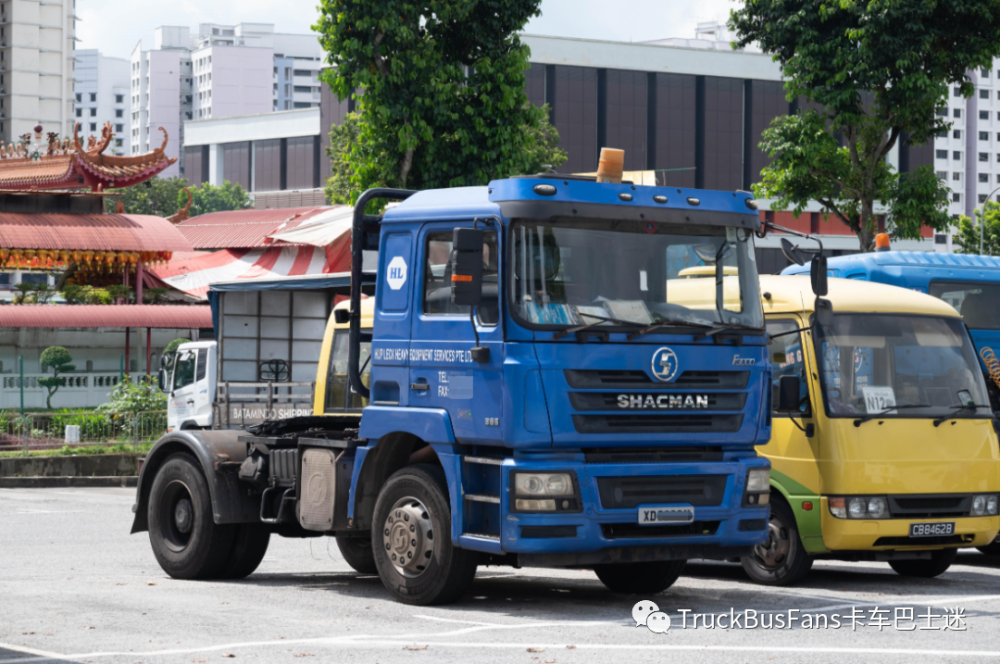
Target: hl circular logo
664, 365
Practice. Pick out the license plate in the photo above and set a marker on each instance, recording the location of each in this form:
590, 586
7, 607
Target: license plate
932, 529
652, 515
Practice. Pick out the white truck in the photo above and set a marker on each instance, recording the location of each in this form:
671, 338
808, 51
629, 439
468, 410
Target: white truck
263, 363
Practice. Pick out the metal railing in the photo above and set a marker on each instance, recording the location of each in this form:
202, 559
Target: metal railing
47, 431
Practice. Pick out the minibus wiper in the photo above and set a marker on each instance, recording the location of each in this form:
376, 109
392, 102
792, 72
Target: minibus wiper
600, 319
871, 416
668, 323
955, 410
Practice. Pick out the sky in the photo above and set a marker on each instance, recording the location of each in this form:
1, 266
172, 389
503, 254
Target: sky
614, 20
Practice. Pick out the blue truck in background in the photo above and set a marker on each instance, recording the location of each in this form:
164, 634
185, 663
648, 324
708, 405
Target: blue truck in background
970, 283
542, 388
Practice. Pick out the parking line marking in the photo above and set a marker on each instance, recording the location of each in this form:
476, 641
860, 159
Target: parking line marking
40, 655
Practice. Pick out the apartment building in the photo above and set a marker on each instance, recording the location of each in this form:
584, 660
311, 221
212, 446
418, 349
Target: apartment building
102, 95
37, 41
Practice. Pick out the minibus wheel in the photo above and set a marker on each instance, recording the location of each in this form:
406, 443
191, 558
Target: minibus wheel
991, 549
938, 563
781, 560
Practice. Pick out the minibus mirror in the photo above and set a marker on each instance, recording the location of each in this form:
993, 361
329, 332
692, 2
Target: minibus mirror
341, 316
824, 312
792, 252
818, 276
789, 388
467, 267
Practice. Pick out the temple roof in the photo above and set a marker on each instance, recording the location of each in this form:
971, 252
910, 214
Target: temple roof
35, 163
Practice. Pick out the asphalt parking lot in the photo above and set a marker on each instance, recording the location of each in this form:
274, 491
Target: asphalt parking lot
76, 587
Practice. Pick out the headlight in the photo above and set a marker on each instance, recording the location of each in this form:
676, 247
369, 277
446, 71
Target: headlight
979, 505
758, 480
877, 508
859, 507
543, 484
991, 505
985, 504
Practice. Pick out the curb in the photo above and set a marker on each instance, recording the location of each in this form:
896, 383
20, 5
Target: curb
54, 482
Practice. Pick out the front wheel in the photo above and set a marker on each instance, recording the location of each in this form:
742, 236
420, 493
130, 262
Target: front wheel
938, 563
411, 532
781, 561
640, 578
991, 549
186, 541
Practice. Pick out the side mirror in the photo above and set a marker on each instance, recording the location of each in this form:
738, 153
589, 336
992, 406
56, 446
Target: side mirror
161, 381
467, 267
824, 312
818, 276
341, 316
792, 252
789, 388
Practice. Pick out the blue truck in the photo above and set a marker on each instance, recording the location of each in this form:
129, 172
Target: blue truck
540, 386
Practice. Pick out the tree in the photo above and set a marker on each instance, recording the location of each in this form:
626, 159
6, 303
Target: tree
60, 360
158, 197
443, 81
209, 198
541, 150
967, 237
878, 70
171, 351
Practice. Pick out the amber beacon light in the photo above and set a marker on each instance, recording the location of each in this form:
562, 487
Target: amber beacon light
611, 165
882, 242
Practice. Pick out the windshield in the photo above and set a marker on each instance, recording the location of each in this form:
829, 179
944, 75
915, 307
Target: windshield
872, 362
570, 272
976, 302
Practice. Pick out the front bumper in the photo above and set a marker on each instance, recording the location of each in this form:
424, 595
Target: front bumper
596, 534
893, 534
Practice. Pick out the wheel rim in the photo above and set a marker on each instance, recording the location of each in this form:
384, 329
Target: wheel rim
773, 554
177, 516
408, 537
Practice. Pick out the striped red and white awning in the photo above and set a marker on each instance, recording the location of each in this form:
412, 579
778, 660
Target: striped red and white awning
194, 276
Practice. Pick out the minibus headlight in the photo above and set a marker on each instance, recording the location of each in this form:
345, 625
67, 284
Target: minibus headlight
877, 508
984, 504
991, 505
979, 505
859, 507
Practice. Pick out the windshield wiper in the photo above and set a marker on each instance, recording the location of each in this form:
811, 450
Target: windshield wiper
722, 327
871, 416
600, 319
667, 323
955, 410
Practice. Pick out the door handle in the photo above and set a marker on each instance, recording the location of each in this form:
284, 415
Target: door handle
420, 387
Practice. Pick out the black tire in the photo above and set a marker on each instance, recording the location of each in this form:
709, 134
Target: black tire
436, 572
939, 562
185, 539
782, 560
991, 549
357, 551
640, 578
249, 546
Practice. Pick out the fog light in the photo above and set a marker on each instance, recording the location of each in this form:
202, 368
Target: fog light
521, 504
838, 508
857, 508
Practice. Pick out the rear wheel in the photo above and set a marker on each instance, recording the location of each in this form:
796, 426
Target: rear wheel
938, 563
640, 578
185, 538
781, 560
249, 546
357, 551
412, 534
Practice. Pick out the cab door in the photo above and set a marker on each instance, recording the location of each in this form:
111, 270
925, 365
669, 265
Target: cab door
182, 391
794, 447
442, 371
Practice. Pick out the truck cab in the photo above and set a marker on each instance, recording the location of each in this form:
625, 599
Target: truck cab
544, 388
189, 382
882, 445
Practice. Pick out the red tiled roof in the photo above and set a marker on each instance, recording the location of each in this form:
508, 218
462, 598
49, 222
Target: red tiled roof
244, 229
96, 315
96, 232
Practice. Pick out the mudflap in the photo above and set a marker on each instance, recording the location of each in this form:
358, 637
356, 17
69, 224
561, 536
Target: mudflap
219, 454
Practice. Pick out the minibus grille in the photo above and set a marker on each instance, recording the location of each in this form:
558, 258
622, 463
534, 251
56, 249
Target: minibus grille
930, 505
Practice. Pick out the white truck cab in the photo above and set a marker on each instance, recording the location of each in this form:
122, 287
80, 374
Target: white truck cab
190, 386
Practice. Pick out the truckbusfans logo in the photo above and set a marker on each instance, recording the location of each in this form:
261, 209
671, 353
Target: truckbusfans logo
663, 401
396, 273
664, 365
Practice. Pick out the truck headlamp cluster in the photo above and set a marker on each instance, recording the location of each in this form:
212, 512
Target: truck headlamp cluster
758, 487
545, 492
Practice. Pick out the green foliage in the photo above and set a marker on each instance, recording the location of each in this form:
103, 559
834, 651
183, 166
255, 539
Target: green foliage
141, 396
66, 450
209, 198
77, 294
154, 295
542, 149
967, 238
157, 196
443, 80
174, 345
120, 292
60, 360
879, 70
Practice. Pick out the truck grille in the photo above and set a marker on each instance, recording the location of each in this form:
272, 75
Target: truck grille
610, 401
629, 492
625, 380
635, 531
657, 423
917, 506
653, 455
